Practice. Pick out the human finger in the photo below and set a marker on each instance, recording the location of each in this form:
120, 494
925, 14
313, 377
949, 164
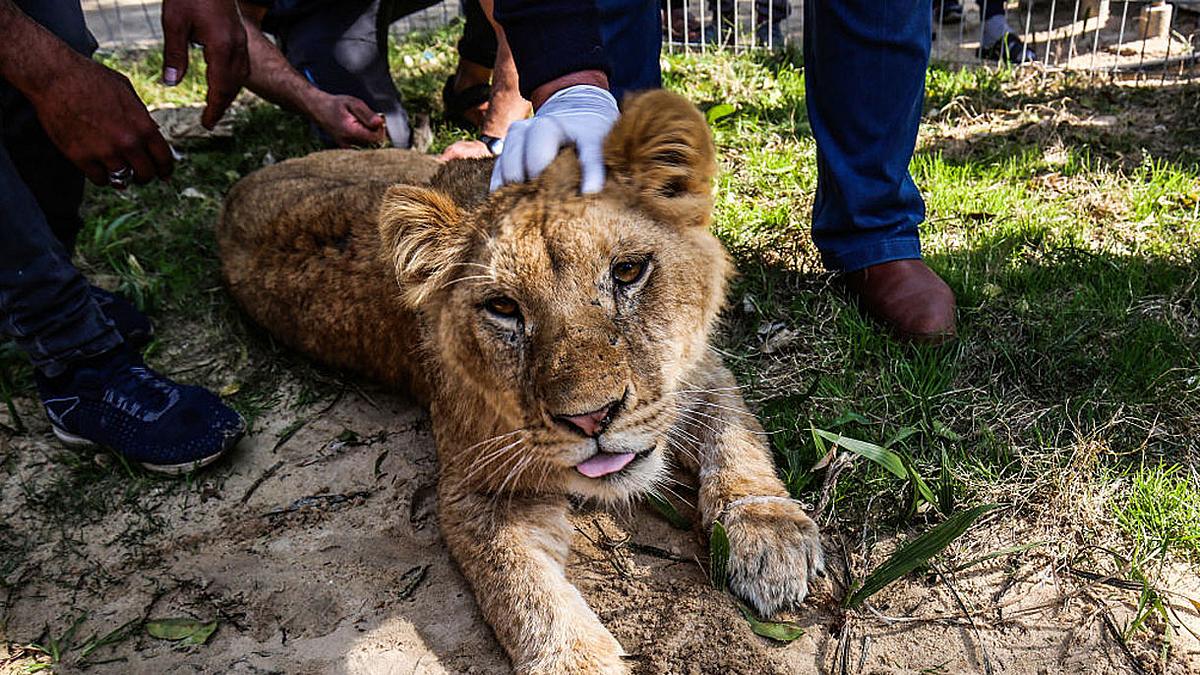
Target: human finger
175, 47
591, 166
363, 113
542, 142
226, 72
510, 168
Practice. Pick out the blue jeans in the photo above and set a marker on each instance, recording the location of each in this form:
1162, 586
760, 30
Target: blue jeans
864, 68
45, 305
632, 37
864, 63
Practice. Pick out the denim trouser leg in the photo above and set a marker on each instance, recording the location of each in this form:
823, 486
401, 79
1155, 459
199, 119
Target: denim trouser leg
632, 34
45, 305
864, 63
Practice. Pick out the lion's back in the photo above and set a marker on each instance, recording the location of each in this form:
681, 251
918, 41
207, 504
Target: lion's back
299, 249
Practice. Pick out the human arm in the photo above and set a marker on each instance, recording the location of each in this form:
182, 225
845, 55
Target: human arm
217, 26
559, 56
91, 113
348, 120
505, 106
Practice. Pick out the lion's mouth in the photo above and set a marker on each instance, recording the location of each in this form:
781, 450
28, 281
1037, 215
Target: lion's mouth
604, 464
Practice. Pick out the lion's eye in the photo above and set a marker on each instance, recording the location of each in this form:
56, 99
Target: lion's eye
502, 306
629, 271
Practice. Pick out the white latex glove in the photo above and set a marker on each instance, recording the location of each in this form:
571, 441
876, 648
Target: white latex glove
580, 115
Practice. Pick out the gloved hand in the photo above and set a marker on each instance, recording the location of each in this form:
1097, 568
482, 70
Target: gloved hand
580, 115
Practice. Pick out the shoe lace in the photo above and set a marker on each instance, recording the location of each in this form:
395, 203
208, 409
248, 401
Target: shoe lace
142, 393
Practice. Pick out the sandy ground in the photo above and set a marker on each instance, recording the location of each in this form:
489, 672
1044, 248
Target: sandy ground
319, 555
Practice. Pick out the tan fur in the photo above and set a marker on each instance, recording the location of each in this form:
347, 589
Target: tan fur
394, 282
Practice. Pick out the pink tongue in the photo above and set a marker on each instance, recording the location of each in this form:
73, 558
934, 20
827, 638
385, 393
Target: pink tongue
604, 463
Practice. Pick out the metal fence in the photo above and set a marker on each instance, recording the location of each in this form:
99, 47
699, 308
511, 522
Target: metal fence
1141, 40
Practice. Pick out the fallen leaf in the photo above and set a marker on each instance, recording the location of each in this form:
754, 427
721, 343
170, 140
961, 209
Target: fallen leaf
780, 631
189, 631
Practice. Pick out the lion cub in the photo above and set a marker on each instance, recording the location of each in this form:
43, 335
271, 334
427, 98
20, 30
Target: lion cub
560, 340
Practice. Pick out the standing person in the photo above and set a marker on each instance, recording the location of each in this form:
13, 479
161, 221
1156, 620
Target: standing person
63, 117
865, 66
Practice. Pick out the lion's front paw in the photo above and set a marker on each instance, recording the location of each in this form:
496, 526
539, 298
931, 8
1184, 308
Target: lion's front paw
598, 654
774, 549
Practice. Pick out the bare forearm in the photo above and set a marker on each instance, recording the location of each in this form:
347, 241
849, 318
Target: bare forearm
273, 78
30, 55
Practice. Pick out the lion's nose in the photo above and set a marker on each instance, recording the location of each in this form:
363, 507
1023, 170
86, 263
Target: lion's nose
591, 423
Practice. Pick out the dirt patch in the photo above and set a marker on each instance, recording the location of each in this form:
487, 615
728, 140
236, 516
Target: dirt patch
321, 554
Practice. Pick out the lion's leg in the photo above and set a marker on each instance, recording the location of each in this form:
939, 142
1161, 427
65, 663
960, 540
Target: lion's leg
774, 546
514, 554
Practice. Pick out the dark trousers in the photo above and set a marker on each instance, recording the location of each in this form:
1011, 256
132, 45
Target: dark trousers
341, 47
45, 305
864, 69
632, 35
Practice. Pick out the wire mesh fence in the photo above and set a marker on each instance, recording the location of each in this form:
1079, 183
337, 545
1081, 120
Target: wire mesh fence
1139, 40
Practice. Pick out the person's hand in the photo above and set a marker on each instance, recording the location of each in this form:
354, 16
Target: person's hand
579, 115
348, 120
217, 26
465, 150
95, 118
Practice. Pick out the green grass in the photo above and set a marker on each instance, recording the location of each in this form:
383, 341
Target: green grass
1158, 510
1062, 215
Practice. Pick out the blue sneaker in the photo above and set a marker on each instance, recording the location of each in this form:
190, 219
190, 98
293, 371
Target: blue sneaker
134, 327
115, 401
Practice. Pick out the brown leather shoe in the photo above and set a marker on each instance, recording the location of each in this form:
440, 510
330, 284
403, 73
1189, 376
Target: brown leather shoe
907, 297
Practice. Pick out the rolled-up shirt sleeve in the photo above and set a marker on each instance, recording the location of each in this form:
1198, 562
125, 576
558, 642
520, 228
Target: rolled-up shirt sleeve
551, 38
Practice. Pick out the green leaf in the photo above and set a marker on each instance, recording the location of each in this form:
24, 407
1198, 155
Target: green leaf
897, 463
668, 511
120, 634
945, 432
780, 631
719, 112
917, 553
848, 417
718, 556
190, 631
881, 456
900, 436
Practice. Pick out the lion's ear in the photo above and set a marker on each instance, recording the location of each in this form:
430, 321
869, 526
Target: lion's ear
661, 148
422, 235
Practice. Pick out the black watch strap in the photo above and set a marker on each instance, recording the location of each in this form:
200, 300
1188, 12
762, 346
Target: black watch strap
494, 145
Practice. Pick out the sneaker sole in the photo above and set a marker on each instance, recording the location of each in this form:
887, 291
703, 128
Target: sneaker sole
80, 443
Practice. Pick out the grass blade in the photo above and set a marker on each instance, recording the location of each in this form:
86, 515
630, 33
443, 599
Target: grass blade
883, 457
895, 462
718, 556
917, 553
668, 511
1020, 548
780, 631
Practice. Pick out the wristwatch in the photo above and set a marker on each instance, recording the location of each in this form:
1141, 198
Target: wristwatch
494, 145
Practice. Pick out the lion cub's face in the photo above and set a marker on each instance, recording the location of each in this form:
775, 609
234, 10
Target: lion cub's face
576, 318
